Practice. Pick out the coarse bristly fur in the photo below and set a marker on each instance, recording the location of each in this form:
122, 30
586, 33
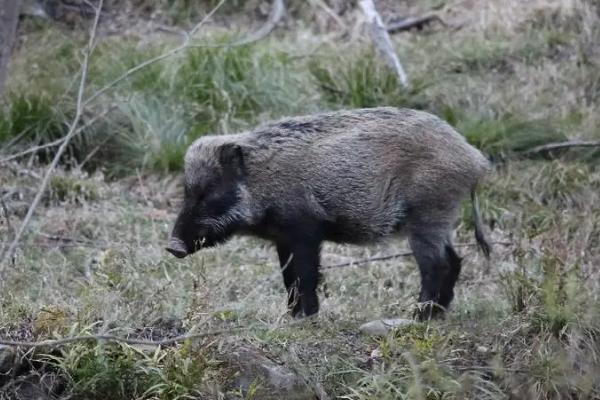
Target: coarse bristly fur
352, 176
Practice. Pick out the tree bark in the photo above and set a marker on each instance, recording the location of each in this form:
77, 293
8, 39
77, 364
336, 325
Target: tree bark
9, 16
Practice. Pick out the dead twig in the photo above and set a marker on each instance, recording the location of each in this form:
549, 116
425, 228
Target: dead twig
95, 150
330, 12
397, 255
71, 133
409, 23
382, 40
19, 170
368, 260
563, 145
143, 342
58, 238
275, 15
117, 339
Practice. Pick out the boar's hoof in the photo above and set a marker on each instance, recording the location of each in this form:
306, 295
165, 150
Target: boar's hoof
428, 311
177, 248
305, 307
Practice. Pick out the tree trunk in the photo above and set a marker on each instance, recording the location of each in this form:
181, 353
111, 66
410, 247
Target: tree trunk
9, 16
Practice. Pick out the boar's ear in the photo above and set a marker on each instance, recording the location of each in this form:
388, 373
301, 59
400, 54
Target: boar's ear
231, 157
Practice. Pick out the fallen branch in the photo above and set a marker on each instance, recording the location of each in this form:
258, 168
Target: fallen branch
58, 238
409, 23
382, 40
397, 255
117, 339
19, 170
143, 342
563, 145
368, 260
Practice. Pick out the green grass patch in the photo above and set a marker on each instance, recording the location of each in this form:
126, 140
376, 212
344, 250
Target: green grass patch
362, 80
124, 372
504, 135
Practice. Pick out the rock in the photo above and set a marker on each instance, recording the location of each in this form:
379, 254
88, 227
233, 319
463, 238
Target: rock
35, 387
267, 379
381, 327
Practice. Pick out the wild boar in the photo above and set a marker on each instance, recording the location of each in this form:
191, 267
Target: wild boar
351, 176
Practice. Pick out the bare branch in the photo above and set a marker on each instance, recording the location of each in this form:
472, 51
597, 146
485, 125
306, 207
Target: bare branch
563, 145
81, 104
185, 45
72, 132
382, 40
56, 142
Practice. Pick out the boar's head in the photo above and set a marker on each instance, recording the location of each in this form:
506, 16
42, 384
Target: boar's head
214, 204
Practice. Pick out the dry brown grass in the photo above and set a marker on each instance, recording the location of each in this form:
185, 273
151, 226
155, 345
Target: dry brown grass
524, 326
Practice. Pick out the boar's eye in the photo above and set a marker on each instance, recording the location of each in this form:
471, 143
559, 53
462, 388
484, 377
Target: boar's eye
218, 203
197, 193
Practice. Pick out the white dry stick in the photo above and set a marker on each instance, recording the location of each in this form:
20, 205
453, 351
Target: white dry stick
72, 131
382, 40
563, 145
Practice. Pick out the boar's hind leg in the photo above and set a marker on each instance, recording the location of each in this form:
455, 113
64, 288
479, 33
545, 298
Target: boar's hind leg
299, 261
439, 266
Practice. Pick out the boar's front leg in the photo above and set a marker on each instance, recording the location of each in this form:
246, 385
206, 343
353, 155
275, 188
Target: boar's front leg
299, 260
289, 277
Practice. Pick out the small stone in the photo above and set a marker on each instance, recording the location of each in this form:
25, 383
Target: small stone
381, 327
268, 379
376, 353
482, 349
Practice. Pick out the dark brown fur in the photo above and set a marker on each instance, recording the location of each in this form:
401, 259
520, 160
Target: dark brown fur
354, 176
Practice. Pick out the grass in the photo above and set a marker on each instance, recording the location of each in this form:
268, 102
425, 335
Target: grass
497, 86
526, 324
523, 326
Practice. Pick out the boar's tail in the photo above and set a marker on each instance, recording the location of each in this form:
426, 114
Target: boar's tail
482, 241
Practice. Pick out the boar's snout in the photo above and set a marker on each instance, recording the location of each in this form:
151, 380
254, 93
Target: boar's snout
177, 247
